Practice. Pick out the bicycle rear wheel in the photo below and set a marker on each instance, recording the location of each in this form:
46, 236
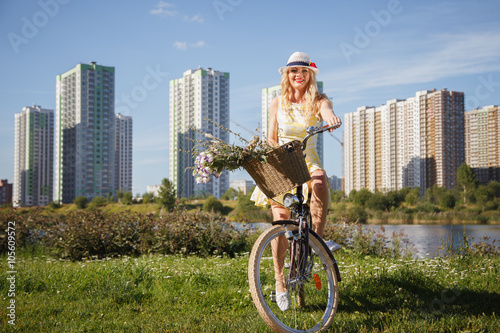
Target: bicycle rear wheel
318, 301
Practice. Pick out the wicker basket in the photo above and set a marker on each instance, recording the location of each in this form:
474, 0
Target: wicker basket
284, 170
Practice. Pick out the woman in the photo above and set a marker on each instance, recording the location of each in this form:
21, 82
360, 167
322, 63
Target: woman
299, 107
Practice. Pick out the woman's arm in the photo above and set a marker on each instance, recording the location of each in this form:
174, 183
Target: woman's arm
327, 114
272, 135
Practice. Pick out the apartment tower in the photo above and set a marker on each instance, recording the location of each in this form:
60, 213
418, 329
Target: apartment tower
5, 192
85, 133
123, 153
418, 141
482, 143
33, 157
197, 100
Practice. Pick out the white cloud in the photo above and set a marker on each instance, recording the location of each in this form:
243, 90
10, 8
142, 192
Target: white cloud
197, 18
180, 45
164, 9
432, 58
183, 46
198, 44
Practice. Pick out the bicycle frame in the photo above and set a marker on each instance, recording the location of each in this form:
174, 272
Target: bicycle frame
300, 209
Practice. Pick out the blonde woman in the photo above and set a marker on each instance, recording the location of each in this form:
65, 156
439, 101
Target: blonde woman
299, 107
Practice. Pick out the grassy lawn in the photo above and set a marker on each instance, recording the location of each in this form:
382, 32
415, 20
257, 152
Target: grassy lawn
191, 294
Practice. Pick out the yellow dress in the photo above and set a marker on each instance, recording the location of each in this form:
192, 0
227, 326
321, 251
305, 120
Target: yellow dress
292, 125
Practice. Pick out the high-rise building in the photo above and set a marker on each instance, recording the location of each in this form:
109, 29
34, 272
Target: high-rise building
85, 133
33, 157
242, 185
5, 192
405, 143
123, 153
482, 143
268, 94
197, 100
335, 183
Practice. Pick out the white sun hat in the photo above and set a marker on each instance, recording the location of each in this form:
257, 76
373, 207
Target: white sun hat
300, 59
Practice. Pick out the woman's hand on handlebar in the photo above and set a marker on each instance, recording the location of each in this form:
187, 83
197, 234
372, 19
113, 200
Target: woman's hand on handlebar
329, 116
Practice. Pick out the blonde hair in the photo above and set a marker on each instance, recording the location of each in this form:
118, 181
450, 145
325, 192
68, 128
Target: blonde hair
312, 97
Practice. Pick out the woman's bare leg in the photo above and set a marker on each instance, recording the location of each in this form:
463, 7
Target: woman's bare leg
320, 199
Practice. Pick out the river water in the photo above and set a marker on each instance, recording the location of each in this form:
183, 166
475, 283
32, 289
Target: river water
428, 240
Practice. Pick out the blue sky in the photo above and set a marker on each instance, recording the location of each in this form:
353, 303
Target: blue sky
367, 52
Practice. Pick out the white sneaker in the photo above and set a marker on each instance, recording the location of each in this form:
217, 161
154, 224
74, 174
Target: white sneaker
283, 300
332, 245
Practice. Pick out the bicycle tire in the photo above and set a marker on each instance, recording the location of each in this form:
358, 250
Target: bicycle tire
320, 305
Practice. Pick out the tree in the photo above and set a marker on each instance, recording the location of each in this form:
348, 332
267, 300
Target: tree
166, 195
244, 203
447, 200
433, 194
466, 181
337, 196
395, 198
148, 197
413, 196
127, 198
377, 201
212, 205
119, 195
494, 187
81, 202
362, 196
230, 194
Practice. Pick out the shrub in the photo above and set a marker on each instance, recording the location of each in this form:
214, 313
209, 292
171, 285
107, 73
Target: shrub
368, 241
357, 214
427, 207
98, 202
148, 197
93, 233
86, 234
212, 205
54, 205
127, 198
81, 202
447, 201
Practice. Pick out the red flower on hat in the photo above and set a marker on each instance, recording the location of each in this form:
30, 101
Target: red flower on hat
312, 64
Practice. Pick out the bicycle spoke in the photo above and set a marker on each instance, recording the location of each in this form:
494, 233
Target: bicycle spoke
311, 308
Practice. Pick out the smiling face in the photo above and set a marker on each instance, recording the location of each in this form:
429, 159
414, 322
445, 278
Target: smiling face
299, 77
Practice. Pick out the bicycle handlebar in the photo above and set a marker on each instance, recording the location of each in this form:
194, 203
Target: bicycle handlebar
311, 131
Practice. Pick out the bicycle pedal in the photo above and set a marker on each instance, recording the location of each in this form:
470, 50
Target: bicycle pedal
272, 296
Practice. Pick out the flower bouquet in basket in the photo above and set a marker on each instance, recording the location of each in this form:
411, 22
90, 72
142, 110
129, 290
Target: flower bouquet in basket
218, 155
275, 169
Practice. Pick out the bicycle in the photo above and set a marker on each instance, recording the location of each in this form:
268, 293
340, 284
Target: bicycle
311, 271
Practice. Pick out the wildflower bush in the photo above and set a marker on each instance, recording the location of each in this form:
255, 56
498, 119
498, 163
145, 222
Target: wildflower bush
83, 234
368, 241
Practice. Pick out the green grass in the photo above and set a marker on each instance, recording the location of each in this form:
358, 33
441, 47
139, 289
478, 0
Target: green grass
191, 294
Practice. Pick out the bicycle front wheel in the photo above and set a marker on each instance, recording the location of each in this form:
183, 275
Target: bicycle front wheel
313, 292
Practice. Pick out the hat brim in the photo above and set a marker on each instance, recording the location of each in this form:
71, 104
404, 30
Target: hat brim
283, 69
